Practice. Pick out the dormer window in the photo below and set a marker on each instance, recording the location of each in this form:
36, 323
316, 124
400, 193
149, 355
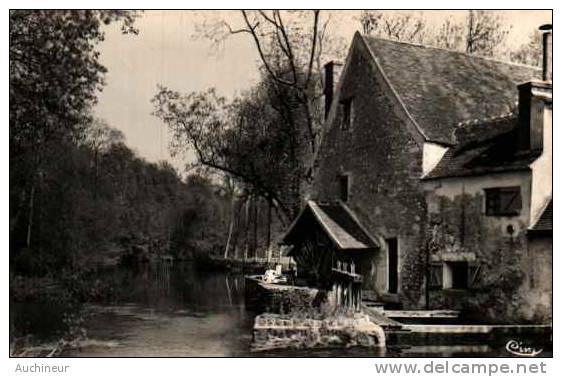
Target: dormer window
346, 107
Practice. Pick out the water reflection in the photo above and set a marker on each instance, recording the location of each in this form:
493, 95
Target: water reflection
170, 309
174, 309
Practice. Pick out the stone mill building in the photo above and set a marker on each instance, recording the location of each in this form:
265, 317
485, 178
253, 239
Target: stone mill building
434, 177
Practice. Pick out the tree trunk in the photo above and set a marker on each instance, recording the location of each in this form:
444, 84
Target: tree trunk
230, 226
268, 246
21, 205
30, 218
96, 175
237, 229
256, 216
246, 226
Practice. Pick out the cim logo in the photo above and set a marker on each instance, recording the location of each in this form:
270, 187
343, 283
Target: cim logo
518, 348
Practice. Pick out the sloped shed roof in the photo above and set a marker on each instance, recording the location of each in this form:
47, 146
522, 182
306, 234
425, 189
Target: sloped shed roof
441, 88
487, 147
338, 223
544, 223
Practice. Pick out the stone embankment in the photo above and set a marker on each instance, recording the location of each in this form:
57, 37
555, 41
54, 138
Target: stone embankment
273, 331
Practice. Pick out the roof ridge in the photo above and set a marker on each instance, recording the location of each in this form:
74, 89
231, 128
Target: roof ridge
456, 52
474, 121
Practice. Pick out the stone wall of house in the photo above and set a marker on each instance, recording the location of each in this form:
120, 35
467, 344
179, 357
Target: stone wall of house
539, 284
495, 246
384, 163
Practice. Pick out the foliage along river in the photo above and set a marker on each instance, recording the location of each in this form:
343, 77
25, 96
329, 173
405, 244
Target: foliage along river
172, 309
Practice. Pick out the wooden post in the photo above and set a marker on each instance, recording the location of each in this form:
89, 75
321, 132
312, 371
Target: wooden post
256, 216
338, 295
30, 217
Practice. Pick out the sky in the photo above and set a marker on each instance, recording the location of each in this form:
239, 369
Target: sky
167, 51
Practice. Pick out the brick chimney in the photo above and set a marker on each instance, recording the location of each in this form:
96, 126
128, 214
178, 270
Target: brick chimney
546, 52
332, 72
534, 98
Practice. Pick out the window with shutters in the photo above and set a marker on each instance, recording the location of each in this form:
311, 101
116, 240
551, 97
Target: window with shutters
503, 201
473, 275
436, 276
454, 275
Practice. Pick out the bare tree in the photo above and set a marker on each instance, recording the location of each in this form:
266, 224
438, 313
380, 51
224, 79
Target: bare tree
486, 31
450, 35
531, 52
480, 32
290, 46
403, 27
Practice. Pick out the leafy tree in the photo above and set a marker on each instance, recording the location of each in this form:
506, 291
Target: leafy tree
54, 71
54, 76
256, 139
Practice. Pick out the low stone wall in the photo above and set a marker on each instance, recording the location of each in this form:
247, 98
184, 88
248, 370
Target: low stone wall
276, 298
274, 331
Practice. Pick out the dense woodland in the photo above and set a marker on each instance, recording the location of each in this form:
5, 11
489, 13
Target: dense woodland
76, 190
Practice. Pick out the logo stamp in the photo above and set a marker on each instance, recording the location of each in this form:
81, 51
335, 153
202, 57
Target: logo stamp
519, 348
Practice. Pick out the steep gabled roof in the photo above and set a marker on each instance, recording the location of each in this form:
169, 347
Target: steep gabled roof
486, 147
336, 221
442, 88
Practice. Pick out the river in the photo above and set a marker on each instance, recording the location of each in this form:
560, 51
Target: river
172, 309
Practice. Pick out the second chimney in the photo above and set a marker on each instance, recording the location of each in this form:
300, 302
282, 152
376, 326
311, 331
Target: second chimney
546, 52
534, 98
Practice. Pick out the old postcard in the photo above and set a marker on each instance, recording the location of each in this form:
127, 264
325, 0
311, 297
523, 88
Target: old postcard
260, 183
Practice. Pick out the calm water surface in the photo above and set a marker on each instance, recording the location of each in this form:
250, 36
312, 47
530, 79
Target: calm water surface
172, 309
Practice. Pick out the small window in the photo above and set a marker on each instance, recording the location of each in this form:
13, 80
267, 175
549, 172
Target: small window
503, 201
455, 275
343, 183
459, 275
346, 114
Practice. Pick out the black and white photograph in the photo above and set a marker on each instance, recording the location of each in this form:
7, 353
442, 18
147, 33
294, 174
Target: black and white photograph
368, 183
